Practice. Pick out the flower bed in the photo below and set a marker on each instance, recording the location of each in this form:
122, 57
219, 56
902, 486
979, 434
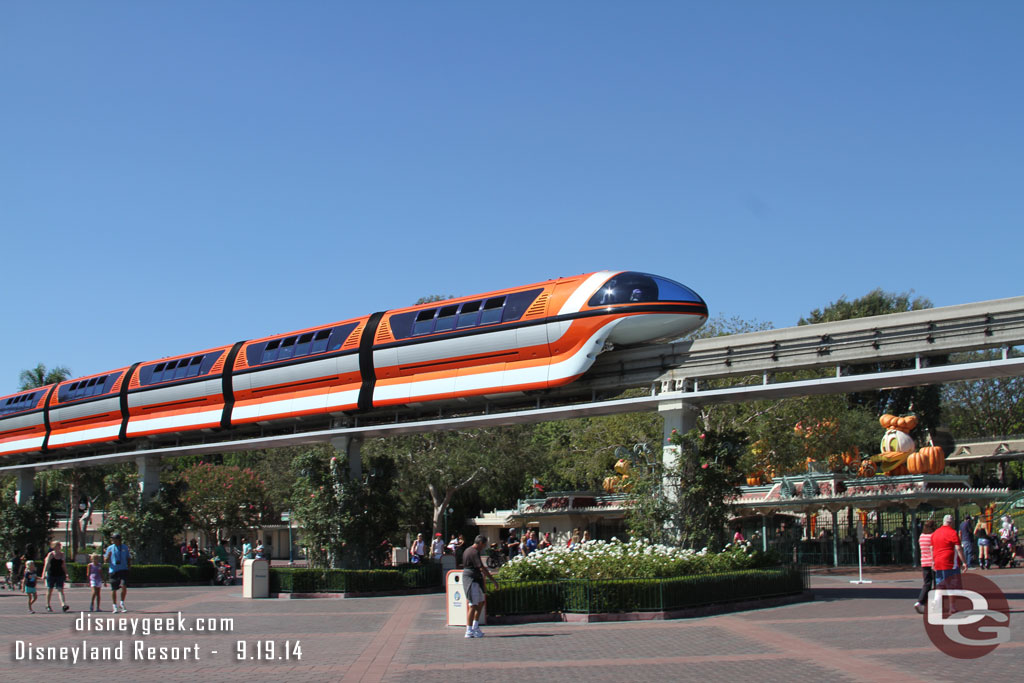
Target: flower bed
634, 560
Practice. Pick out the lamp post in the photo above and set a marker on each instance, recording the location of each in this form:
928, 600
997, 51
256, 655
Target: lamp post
446, 513
287, 517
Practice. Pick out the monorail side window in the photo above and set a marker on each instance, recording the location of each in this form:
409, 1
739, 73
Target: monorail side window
194, 365
182, 369
492, 310
339, 335
158, 373
320, 341
287, 348
302, 348
270, 353
469, 315
424, 323
446, 319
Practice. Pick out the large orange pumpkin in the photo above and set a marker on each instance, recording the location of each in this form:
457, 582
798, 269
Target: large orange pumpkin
867, 468
928, 460
753, 479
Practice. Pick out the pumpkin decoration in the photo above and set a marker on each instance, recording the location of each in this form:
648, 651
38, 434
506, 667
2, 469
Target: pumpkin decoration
610, 484
928, 460
850, 457
754, 479
906, 423
899, 451
867, 468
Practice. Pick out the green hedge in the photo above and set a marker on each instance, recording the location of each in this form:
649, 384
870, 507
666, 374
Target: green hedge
288, 580
150, 573
584, 596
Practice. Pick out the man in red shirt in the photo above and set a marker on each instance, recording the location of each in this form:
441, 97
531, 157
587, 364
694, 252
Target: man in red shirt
946, 545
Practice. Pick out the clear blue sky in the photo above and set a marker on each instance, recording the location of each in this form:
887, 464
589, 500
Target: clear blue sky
175, 176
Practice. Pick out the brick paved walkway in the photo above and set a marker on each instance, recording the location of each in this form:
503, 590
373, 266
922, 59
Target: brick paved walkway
849, 633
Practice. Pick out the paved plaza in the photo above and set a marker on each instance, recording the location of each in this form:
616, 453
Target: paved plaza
848, 633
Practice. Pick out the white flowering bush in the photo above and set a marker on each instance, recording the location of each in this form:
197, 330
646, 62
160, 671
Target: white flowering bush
636, 559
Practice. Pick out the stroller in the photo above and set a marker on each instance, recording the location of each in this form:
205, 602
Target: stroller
1005, 553
495, 558
223, 575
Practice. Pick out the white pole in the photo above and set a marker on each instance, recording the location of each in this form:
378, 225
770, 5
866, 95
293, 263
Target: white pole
860, 556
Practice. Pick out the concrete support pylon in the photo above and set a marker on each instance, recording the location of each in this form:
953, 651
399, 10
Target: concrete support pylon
26, 486
351, 448
681, 417
149, 475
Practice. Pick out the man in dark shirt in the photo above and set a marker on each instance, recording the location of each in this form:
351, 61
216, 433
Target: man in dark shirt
967, 539
473, 573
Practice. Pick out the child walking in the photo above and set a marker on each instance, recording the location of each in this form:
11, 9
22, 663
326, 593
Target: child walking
30, 584
95, 573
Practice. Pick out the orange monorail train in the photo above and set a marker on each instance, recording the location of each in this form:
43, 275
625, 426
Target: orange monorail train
513, 340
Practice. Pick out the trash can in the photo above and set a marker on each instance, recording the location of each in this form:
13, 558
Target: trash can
457, 600
256, 579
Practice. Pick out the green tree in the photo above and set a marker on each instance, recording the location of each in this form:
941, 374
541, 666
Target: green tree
83, 485
578, 454
343, 520
222, 497
148, 524
689, 502
434, 467
25, 528
39, 376
984, 409
926, 400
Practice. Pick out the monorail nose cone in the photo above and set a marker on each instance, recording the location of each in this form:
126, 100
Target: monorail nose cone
653, 328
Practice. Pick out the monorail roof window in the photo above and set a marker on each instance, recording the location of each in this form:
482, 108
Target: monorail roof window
320, 341
270, 353
302, 347
630, 287
287, 348
446, 318
492, 310
424, 323
469, 315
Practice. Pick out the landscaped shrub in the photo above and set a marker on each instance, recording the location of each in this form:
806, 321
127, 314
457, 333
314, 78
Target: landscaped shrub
288, 580
587, 596
150, 573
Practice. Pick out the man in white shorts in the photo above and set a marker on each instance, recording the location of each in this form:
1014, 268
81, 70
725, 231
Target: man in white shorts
473, 573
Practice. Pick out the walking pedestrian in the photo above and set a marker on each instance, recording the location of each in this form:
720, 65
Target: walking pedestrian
924, 541
120, 559
967, 540
437, 548
56, 573
946, 547
29, 580
473, 574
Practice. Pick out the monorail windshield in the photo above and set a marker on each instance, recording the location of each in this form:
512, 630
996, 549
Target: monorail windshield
631, 287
